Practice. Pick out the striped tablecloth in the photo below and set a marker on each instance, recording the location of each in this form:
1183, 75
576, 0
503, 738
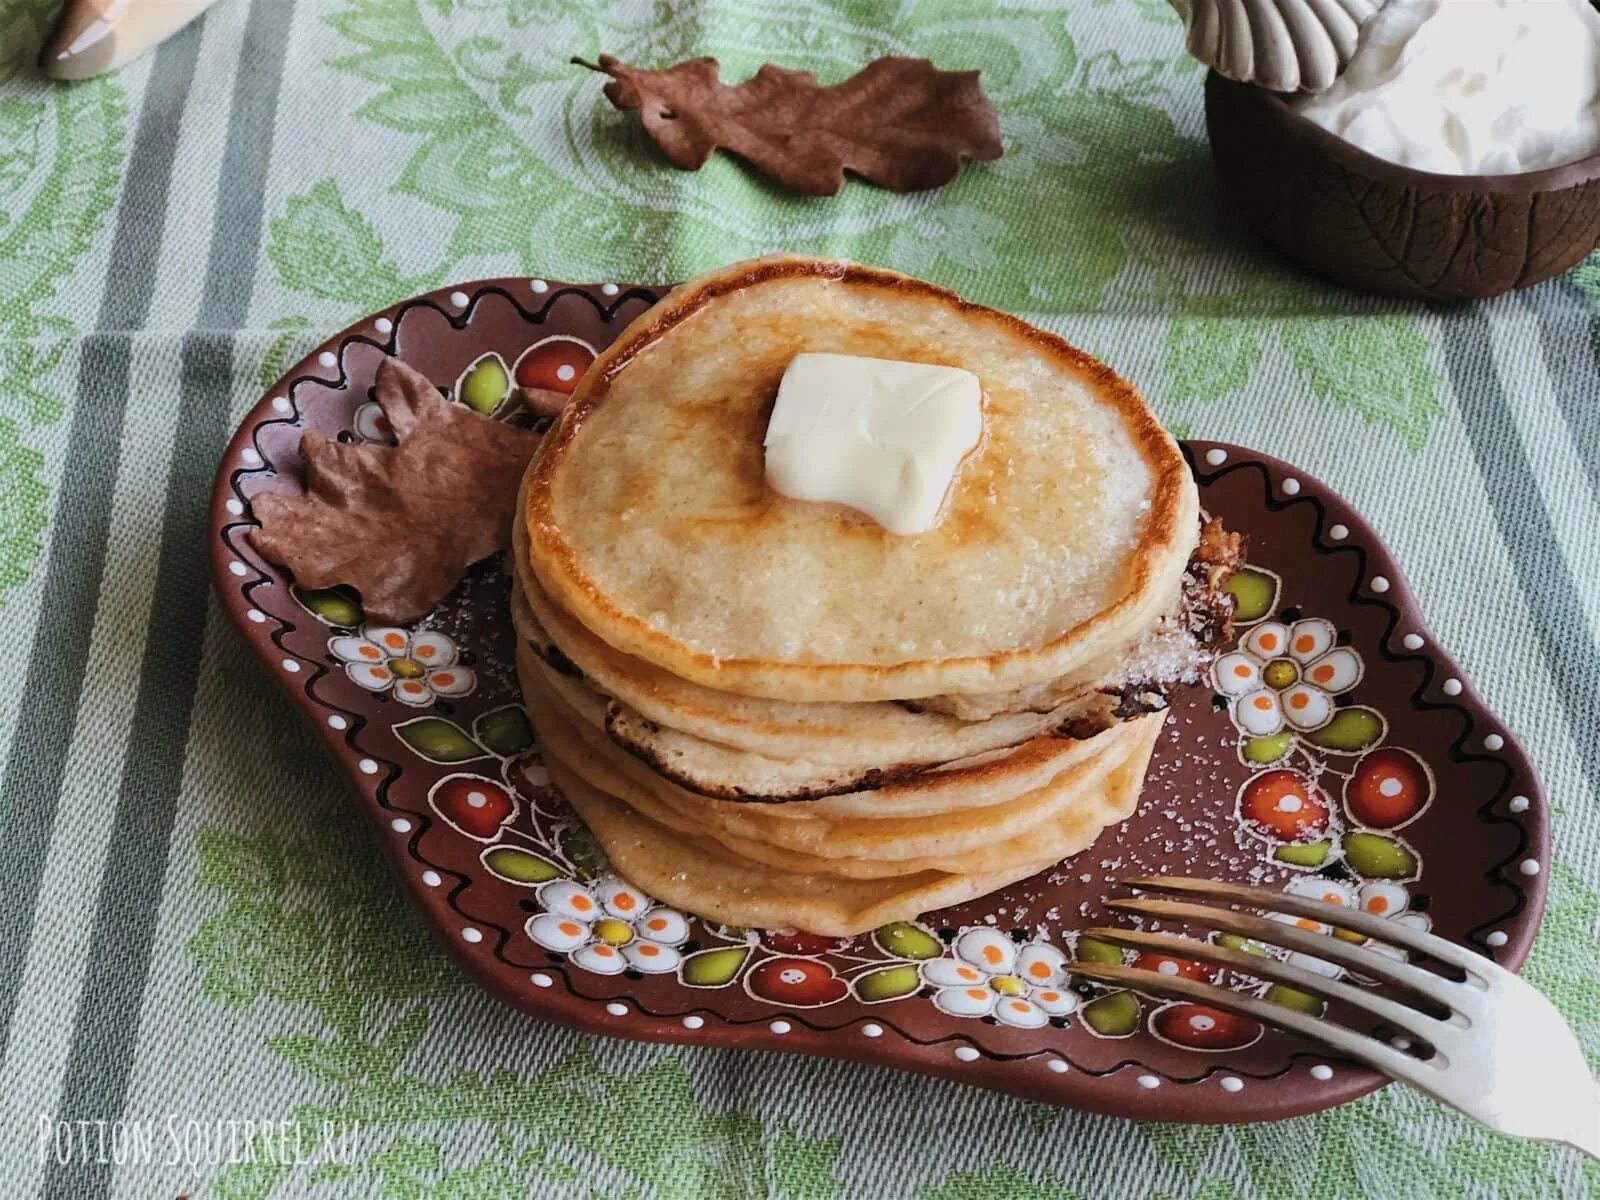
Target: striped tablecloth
194, 927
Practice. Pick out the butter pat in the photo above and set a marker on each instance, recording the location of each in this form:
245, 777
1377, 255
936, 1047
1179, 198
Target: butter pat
879, 436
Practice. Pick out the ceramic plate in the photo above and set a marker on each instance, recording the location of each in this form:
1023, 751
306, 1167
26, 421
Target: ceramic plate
1335, 749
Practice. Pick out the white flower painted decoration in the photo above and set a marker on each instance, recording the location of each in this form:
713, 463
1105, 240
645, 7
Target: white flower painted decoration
1379, 897
609, 927
1384, 899
990, 975
1286, 675
1339, 895
372, 425
417, 667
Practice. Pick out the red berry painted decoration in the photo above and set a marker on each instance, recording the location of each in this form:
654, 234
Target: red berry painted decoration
792, 941
1167, 964
1199, 1027
1389, 788
796, 983
1283, 806
553, 365
476, 806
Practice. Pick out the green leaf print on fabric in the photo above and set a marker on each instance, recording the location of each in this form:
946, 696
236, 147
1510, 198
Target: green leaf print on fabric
294, 340
999, 1181
1586, 278
1211, 358
1157, 12
599, 196
61, 155
301, 927
350, 943
20, 122
322, 248
1093, 204
1376, 366
1397, 1143
414, 1169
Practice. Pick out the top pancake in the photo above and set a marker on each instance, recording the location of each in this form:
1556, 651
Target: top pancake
649, 519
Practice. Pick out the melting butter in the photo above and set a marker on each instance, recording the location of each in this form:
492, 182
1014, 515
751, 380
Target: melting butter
879, 436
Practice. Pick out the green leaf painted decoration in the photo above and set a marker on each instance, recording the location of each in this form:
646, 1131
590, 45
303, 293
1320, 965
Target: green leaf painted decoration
1264, 751
338, 607
1293, 998
505, 731
1093, 950
1351, 731
439, 740
516, 865
579, 847
484, 386
713, 968
1375, 856
1254, 592
1312, 854
1116, 1015
1233, 941
889, 984
905, 940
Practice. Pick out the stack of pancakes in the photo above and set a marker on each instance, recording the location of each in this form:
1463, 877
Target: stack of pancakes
777, 713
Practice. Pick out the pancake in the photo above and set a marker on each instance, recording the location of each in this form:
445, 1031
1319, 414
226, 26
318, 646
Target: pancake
962, 841
862, 737
647, 517
701, 876
979, 780
1054, 829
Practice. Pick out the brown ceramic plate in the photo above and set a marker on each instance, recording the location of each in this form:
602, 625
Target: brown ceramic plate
1412, 797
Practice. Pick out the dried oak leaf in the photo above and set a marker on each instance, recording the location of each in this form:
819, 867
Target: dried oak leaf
900, 123
400, 523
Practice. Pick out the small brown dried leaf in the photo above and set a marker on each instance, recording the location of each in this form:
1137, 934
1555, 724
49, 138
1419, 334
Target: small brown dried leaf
400, 523
900, 123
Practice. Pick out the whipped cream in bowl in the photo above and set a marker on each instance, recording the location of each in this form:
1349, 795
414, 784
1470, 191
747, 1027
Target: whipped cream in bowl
1457, 157
1470, 87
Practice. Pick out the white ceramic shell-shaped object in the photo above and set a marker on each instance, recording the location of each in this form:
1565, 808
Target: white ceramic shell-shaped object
1283, 45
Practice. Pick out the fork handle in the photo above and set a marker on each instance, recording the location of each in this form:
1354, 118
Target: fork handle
1590, 1144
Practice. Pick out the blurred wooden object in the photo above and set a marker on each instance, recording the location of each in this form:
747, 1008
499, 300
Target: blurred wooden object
95, 36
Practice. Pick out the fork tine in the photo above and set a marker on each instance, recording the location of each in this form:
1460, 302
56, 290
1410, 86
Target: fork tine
1318, 945
1357, 1045
1418, 1024
1381, 928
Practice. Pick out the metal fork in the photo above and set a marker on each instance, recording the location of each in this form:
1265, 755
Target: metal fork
1501, 1052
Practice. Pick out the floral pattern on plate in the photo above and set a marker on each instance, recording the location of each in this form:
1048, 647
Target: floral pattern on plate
1335, 797
416, 668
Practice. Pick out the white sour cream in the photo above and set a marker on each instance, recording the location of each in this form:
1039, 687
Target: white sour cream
1471, 87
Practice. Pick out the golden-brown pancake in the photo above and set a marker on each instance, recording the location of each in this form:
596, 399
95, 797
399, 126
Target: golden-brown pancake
996, 777
861, 737
968, 841
702, 876
649, 520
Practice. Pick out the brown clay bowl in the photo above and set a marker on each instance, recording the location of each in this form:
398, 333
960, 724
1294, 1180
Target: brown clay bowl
1374, 225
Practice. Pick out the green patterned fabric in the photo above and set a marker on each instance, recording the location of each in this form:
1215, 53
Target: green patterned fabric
195, 925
